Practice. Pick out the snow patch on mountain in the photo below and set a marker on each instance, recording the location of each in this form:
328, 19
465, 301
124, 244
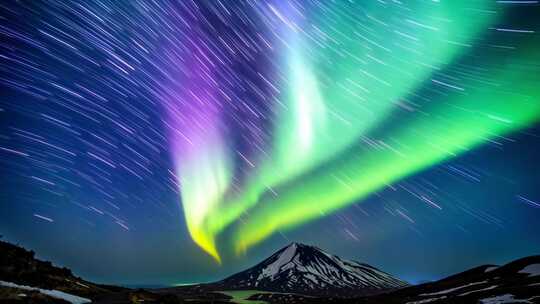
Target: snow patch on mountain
275, 267
502, 299
452, 289
532, 270
477, 290
491, 268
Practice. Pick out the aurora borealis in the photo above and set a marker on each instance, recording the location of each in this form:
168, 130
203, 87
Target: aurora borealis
325, 105
233, 125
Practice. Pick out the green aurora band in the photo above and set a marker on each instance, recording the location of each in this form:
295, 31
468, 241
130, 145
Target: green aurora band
348, 68
461, 123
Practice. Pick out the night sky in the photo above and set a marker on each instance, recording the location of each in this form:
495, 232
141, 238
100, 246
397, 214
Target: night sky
168, 142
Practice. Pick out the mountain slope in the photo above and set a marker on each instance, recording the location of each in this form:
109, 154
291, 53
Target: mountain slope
308, 270
515, 282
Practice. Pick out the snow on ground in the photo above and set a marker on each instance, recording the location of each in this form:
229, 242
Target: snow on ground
452, 289
532, 270
478, 290
426, 300
502, 299
52, 293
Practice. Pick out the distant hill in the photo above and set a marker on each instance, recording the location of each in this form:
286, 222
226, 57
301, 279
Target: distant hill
515, 282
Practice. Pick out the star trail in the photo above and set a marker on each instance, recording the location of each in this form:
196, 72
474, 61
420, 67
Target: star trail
235, 125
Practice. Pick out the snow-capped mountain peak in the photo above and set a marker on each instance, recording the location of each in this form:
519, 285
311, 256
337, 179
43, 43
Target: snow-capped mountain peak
308, 269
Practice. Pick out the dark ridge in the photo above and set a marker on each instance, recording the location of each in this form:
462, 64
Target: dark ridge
20, 266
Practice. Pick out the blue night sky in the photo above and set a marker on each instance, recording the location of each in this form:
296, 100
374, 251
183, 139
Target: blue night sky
143, 141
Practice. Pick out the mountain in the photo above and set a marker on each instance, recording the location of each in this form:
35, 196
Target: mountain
299, 268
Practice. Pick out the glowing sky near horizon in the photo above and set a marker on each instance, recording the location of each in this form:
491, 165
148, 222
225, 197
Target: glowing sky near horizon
202, 135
